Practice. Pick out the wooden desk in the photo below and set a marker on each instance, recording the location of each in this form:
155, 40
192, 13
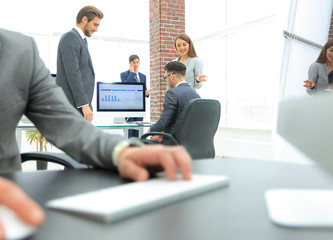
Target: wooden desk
235, 212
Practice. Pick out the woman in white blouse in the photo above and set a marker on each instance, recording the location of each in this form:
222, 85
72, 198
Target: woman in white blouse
187, 55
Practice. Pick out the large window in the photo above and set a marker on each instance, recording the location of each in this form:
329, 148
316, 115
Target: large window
237, 41
124, 31
309, 20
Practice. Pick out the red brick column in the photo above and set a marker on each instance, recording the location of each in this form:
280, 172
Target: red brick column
330, 33
167, 19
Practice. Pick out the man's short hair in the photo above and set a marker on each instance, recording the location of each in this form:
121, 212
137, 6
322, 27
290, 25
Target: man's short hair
90, 12
330, 78
133, 57
176, 67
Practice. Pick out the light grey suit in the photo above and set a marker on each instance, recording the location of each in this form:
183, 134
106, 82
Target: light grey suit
194, 68
318, 73
75, 72
26, 88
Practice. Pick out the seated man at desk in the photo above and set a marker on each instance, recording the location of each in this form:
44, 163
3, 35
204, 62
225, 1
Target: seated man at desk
175, 99
27, 88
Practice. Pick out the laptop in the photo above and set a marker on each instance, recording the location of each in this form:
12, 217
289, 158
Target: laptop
308, 125
115, 203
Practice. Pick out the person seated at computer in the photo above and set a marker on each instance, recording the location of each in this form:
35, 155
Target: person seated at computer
176, 97
37, 96
132, 76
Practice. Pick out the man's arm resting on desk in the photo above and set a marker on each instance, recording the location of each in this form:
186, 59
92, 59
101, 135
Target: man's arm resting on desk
136, 162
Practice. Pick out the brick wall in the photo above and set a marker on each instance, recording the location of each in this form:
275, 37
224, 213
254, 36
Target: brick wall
167, 19
330, 33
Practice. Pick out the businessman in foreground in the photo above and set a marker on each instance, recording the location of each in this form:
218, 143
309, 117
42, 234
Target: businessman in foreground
26, 88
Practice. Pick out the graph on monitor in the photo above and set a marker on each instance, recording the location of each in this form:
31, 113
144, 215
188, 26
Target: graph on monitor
119, 99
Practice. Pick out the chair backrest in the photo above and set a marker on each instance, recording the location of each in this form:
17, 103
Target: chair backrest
196, 127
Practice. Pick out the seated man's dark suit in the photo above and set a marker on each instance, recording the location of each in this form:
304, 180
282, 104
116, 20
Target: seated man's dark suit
130, 77
174, 102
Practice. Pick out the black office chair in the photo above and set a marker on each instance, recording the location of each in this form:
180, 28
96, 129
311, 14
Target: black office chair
43, 158
195, 128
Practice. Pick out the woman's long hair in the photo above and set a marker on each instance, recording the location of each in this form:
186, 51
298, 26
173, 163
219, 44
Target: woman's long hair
322, 56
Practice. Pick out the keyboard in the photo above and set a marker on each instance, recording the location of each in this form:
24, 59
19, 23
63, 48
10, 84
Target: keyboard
115, 203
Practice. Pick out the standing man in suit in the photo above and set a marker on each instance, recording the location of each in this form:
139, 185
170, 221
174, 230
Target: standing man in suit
75, 72
134, 76
176, 97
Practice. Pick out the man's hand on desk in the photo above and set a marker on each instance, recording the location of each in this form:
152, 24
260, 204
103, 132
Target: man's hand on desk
136, 162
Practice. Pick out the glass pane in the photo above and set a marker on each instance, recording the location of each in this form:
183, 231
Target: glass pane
252, 75
212, 53
204, 17
245, 11
124, 19
313, 19
42, 42
300, 58
110, 58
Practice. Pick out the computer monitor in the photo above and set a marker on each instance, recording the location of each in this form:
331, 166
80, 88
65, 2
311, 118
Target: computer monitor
119, 99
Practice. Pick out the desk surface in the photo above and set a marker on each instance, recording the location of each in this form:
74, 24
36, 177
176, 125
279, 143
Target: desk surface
235, 212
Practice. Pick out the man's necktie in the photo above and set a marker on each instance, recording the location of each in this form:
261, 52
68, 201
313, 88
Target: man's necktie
86, 42
137, 77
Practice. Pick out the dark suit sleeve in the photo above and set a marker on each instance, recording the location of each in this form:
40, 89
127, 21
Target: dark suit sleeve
127, 77
170, 107
71, 53
143, 79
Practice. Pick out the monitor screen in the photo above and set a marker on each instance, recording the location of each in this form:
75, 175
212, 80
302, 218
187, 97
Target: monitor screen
121, 97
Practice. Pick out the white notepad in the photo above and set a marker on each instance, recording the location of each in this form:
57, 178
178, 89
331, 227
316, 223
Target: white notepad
115, 203
300, 207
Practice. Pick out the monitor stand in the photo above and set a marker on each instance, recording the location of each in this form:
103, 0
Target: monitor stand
300, 207
119, 120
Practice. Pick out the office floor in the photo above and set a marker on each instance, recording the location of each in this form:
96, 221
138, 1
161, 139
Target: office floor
256, 144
